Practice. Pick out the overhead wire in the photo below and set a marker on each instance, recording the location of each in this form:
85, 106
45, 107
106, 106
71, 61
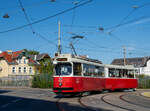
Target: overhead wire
69, 1
122, 21
47, 18
129, 14
28, 5
107, 28
72, 20
26, 16
93, 50
30, 24
79, 26
117, 38
126, 23
74, 11
12, 10
17, 28
33, 31
106, 49
141, 6
125, 18
97, 46
44, 38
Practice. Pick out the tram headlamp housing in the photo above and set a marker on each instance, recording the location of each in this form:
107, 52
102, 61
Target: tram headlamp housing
60, 84
54, 62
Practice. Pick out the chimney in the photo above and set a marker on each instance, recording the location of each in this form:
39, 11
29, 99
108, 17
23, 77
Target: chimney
35, 57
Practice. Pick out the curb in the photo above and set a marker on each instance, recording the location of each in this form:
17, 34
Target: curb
146, 94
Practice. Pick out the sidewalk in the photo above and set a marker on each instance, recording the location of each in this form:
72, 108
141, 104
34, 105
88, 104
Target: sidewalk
146, 94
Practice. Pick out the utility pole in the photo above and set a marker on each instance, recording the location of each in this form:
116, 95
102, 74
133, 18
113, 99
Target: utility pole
124, 54
59, 44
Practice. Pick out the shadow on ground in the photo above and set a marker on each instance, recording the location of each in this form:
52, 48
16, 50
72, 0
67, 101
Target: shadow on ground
4, 91
72, 107
14, 103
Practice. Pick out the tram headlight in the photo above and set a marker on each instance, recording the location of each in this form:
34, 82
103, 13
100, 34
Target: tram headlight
60, 84
54, 62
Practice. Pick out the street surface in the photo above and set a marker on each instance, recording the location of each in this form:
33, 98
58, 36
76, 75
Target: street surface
29, 99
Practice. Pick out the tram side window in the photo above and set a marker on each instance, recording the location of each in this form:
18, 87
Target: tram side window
131, 73
111, 72
99, 71
128, 73
77, 69
86, 70
117, 74
121, 73
96, 71
93, 71
125, 73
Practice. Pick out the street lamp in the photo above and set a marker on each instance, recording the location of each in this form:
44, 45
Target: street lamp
6, 16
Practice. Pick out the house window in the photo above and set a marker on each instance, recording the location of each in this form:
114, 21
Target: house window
25, 61
13, 69
19, 61
25, 70
19, 70
30, 70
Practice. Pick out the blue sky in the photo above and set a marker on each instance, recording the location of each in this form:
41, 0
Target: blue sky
85, 21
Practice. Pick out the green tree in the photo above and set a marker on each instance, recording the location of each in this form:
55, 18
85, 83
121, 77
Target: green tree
46, 66
43, 76
31, 52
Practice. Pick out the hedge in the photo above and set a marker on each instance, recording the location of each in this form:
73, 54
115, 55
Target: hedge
42, 81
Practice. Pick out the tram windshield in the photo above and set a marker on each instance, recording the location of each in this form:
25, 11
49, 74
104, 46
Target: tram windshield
63, 69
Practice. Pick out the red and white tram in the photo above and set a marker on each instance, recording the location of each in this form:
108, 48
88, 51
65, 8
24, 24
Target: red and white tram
74, 74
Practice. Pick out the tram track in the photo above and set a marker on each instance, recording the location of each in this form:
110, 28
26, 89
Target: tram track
79, 101
131, 102
114, 105
84, 105
120, 102
88, 108
126, 101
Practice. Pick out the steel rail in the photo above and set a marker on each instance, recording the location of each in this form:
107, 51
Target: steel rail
117, 106
123, 99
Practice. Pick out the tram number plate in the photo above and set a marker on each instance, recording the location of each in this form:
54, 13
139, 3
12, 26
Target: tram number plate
77, 81
60, 80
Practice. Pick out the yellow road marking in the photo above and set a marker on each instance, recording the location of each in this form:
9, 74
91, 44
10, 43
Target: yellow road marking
147, 94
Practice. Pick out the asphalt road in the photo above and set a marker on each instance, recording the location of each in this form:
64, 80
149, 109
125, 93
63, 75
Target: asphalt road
119, 101
29, 99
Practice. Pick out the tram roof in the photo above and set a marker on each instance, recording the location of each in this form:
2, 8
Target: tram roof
73, 58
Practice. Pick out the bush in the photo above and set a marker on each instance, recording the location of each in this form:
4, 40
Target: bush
42, 81
143, 81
